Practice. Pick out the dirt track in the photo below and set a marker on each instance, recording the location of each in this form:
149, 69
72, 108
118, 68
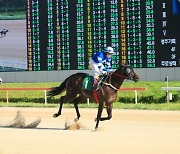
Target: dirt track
13, 47
129, 131
14, 44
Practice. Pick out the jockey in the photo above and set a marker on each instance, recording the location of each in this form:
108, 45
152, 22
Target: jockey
98, 62
3, 32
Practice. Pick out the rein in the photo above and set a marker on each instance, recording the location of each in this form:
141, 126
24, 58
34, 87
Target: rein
122, 76
109, 84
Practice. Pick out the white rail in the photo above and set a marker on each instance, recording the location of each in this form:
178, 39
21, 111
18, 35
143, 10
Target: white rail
170, 88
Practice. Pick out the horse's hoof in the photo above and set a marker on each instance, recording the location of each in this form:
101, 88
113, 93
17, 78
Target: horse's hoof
94, 130
76, 120
55, 115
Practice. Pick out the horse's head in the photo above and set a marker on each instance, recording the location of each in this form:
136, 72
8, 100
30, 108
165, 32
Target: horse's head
128, 72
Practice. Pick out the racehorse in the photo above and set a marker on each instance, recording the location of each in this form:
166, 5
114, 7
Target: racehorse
106, 93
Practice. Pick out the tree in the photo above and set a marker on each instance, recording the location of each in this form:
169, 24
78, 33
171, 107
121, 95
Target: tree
12, 4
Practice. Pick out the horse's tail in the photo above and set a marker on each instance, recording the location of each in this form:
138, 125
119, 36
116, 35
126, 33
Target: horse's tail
57, 90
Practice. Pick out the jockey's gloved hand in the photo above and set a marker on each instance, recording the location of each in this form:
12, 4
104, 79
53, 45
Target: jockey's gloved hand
109, 70
105, 72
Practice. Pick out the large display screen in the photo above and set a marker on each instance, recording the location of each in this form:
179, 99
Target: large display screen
64, 34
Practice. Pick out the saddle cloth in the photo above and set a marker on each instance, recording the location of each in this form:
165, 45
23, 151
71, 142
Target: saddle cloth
88, 83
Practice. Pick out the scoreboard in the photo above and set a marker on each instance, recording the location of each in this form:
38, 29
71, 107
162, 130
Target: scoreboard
64, 34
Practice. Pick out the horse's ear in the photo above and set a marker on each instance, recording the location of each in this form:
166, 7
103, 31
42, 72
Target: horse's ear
126, 63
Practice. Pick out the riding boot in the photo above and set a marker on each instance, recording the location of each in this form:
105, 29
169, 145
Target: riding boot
100, 78
96, 80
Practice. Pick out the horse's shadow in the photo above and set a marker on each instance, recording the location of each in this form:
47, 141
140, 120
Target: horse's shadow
38, 128
49, 128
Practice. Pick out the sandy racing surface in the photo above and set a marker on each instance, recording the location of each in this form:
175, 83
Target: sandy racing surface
129, 131
14, 44
13, 47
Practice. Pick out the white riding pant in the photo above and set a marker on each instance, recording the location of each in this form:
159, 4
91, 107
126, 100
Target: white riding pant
95, 68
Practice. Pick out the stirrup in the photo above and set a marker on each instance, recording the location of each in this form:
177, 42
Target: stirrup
97, 88
95, 85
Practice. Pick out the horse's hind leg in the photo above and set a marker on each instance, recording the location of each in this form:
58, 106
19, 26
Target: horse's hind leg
68, 97
71, 93
60, 107
76, 101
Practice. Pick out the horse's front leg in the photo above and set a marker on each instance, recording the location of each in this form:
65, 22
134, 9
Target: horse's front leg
109, 112
100, 109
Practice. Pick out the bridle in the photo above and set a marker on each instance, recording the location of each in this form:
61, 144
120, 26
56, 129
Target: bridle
127, 75
122, 76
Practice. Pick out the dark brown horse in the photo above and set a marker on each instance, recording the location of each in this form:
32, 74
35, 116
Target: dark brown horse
106, 94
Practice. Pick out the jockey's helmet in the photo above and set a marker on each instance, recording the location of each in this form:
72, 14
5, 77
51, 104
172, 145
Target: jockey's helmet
109, 50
